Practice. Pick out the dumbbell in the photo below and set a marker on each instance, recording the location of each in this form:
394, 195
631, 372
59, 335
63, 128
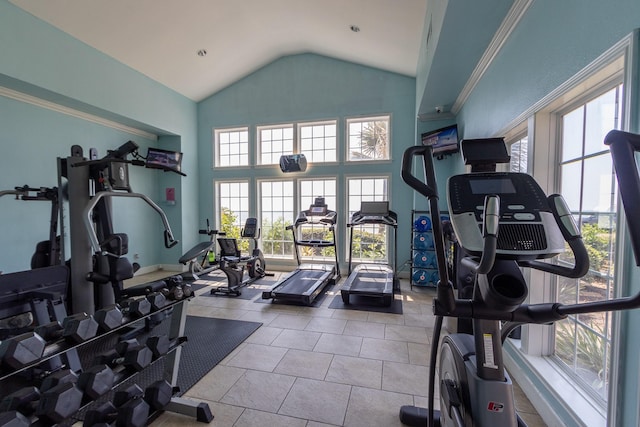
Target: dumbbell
159, 345
112, 316
58, 377
158, 395
21, 350
13, 419
129, 408
96, 381
76, 328
55, 404
176, 289
157, 300
136, 357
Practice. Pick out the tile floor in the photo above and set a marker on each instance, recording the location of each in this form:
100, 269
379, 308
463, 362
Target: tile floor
316, 366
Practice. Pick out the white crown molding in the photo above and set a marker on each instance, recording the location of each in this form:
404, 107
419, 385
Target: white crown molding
39, 102
516, 13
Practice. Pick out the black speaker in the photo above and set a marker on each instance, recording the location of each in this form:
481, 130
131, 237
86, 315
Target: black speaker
293, 163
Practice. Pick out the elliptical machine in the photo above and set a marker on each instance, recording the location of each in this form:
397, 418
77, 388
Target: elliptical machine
503, 221
232, 263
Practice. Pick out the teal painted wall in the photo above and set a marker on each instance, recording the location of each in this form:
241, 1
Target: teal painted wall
39, 60
553, 42
32, 138
309, 87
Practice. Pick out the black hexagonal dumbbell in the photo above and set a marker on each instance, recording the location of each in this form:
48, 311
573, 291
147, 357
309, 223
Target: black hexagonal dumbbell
21, 350
24, 401
96, 381
13, 419
76, 328
113, 316
130, 354
159, 345
60, 402
129, 408
158, 395
58, 377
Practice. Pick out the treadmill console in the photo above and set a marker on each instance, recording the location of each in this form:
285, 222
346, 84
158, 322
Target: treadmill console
317, 213
527, 227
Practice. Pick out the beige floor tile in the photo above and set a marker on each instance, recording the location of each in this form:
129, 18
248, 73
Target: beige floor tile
317, 400
339, 344
216, 383
264, 335
355, 371
414, 334
360, 328
301, 340
395, 351
419, 354
306, 364
256, 356
351, 315
405, 378
254, 418
290, 321
375, 408
393, 319
322, 324
264, 391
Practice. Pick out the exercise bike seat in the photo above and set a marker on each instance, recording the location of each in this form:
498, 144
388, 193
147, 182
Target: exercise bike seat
199, 249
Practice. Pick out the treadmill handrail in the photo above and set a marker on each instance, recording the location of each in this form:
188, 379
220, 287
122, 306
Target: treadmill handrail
93, 237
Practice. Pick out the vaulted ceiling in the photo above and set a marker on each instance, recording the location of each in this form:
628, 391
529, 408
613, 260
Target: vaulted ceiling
166, 39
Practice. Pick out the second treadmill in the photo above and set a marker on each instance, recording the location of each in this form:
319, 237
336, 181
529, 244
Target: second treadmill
369, 279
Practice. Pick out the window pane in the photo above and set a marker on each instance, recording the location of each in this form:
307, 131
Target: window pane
368, 139
582, 342
232, 147
572, 125
318, 142
370, 243
233, 207
273, 143
276, 201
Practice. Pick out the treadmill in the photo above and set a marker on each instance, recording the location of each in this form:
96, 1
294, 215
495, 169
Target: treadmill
307, 281
372, 280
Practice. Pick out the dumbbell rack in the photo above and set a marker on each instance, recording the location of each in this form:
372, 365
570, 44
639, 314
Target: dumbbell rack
199, 410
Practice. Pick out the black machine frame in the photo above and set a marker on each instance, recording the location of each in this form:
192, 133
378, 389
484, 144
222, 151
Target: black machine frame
499, 294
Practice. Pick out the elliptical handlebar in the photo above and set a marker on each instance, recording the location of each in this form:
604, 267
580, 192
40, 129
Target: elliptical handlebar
569, 230
623, 147
429, 189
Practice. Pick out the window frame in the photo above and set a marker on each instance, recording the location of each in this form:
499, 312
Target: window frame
298, 147
363, 119
217, 147
259, 142
348, 212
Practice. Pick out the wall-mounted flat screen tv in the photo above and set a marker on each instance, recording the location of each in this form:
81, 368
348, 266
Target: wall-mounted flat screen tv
164, 159
443, 141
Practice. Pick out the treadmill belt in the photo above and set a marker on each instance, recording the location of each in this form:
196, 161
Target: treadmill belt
369, 281
301, 282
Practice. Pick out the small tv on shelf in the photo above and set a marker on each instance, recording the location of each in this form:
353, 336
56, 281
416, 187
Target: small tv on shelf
164, 159
443, 141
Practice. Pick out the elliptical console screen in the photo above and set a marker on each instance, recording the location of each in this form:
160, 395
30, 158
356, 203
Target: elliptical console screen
492, 186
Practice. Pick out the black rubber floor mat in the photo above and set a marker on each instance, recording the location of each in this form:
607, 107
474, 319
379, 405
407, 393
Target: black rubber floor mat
209, 341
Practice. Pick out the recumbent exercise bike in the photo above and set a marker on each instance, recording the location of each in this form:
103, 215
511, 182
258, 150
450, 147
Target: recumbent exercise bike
233, 264
503, 221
